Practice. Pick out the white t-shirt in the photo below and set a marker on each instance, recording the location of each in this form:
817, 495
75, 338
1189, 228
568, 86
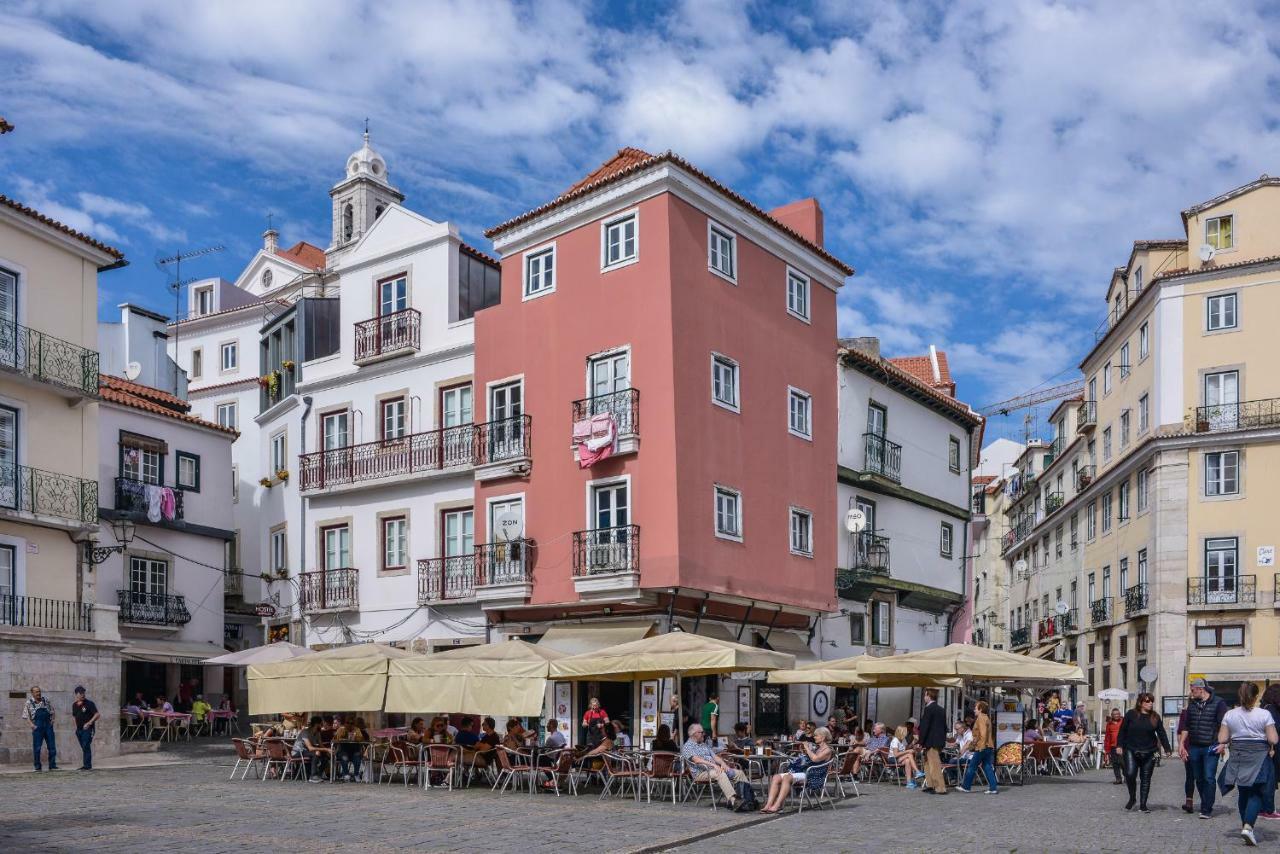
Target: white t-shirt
1248, 724
896, 745
964, 741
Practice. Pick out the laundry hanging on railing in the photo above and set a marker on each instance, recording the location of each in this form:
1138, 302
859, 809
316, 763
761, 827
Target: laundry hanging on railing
168, 503
155, 498
594, 438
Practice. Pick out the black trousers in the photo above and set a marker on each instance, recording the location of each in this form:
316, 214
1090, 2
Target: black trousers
1138, 768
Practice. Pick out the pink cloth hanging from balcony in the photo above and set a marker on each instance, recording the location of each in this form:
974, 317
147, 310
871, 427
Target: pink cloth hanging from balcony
168, 504
599, 443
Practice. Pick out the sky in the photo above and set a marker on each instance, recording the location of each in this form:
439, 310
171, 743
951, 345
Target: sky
982, 165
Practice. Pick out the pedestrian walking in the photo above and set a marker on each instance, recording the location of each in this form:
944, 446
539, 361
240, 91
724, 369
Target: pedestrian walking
1271, 703
984, 751
1198, 745
38, 712
1141, 736
86, 715
1251, 734
1109, 739
933, 737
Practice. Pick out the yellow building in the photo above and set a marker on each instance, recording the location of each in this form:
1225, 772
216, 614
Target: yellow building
52, 632
1146, 543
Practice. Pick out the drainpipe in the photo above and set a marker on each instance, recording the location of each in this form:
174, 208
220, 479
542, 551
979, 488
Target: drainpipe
302, 505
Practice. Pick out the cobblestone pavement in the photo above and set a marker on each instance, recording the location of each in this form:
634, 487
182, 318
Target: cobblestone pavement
193, 807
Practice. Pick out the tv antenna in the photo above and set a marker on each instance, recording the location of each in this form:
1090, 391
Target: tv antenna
172, 266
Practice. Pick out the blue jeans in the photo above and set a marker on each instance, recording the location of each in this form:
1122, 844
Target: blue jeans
986, 758
44, 733
85, 737
1250, 802
1202, 773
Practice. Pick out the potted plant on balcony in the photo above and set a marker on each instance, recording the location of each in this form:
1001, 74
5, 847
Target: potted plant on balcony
288, 364
266, 481
282, 475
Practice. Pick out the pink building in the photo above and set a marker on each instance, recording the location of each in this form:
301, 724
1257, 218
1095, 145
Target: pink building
651, 304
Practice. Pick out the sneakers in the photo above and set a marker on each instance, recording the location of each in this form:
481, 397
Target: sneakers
991, 792
1270, 816
963, 789
919, 775
1206, 816
315, 780
1246, 833
912, 785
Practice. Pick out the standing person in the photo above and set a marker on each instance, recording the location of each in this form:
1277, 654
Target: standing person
594, 714
984, 751
1251, 733
1271, 703
1197, 745
86, 715
1141, 735
711, 714
933, 737
1109, 739
38, 712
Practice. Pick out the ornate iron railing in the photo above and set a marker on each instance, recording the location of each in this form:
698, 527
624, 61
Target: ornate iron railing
504, 563
1086, 415
870, 553
1246, 415
48, 359
432, 450
1085, 476
233, 583
882, 457
506, 439
1135, 600
441, 579
623, 405
1223, 590
1059, 624
135, 497
153, 609
606, 550
1100, 610
330, 590
1020, 637
44, 493
1056, 447
35, 613
1053, 501
389, 333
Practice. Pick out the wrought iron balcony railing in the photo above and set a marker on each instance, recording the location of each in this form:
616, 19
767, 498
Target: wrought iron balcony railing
623, 405
1053, 501
44, 493
1135, 600
136, 498
602, 550
1223, 590
1020, 637
152, 609
433, 450
504, 563
870, 553
35, 613
502, 440
1086, 416
1246, 415
1060, 624
330, 590
1056, 447
47, 359
1085, 476
441, 579
882, 457
1100, 610
390, 333
233, 583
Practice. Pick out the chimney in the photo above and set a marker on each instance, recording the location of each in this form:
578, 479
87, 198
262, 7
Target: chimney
803, 217
869, 345
270, 239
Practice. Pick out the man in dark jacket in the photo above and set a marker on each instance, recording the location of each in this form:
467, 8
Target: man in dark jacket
933, 737
1198, 745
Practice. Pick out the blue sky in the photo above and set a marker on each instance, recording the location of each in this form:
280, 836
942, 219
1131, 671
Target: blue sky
982, 165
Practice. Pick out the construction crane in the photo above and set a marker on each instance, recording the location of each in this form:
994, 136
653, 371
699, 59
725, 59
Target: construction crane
1034, 398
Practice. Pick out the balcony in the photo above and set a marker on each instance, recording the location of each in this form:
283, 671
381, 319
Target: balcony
387, 336
135, 498
978, 638
1086, 416
1100, 611
1056, 447
606, 560
33, 613
330, 590
882, 457
1060, 624
152, 609
417, 454
61, 500
1020, 637
1015, 535
502, 448
69, 368
1085, 476
1247, 415
1220, 593
1053, 502
504, 572
447, 579
1135, 600
622, 406
233, 583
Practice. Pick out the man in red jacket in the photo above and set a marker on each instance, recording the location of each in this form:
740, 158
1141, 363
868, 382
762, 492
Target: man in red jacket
1109, 745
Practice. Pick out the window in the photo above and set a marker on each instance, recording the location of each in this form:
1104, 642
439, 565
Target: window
1124, 428
1219, 636
798, 294
728, 513
1144, 341
1106, 583
336, 547
877, 418
722, 251
1123, 652
1222, 473
1093, 390
395, 530
1057, 542
455, 406
1221, 312
459, 533
881, 623
1218, 232
197, 363
1106, 444
1124, 360
1221, 568
1142, 566
1093, 649
1124, 574
393, 296
1093, 587
1137, 280
1074, 527
857, 629
393, 422
620, 241
1140, 644
1123, 501
540, 272
798, 413
724, 381
1091, 521
142, 459
1144, 414
279, 551
148, 580
227, 416
1144, 483
1106, 511
953, 454
188, 471
945, 538
230, 356
801, 532
204, 301
1106, 379
279, 453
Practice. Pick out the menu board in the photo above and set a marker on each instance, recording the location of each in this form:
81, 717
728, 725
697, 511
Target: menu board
649, 709
564, 701
1008, 725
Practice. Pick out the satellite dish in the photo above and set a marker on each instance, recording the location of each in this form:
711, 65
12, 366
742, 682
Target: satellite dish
132, 371
510, 525
1020, 567
1207, 252
1148, 674
1061, 607
855, 521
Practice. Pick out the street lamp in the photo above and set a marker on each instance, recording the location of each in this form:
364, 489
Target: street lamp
124, 531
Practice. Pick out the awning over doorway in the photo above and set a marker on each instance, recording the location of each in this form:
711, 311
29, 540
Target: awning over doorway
1234, 668
170, 651
577, 638
792, 644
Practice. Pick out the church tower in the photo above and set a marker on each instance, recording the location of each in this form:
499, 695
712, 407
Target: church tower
361, 197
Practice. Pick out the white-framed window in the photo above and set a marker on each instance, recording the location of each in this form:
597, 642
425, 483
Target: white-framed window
204, 301
455, 406
1222, 473
1106, 444
728, 513
1220, 312
1137, 280
279, 452
1144, 341
620, 243
799, 413
188, 471
394, 422
1106, 379
393, 295
798, 294
1144, 490
881, 623
1074, 527
540, 272
722, 251
1123, 508
459, 533
801, 532
1144, 413
1231, 637
395, 543
141, 463
953, 454
228, 416
1124, 360
197, 363
1218, 232
279, 550
1106, 511
724, 382
946, 540
148, 578
230, 353
1124, 428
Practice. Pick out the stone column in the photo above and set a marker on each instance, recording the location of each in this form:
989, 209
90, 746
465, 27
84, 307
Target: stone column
1167, 555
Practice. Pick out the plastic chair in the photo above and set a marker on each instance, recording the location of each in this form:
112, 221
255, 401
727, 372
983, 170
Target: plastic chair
132, 726
814, 790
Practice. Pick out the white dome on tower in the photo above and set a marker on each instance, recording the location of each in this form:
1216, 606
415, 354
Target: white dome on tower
367, 163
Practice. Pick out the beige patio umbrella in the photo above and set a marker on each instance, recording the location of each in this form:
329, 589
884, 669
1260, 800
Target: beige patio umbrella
847, 672
974, 664
508, 678
342, 679
268, 654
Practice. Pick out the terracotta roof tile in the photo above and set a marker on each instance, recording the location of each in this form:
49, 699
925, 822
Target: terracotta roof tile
154, 394
921, 367
304, 254
65, 229
903, 375
153, 400
476, 253
257, 304
983, 478
631, 160
1173, 274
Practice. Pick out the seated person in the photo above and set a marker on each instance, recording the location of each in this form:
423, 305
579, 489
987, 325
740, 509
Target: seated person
603, 739
912, 733
417, 733
835, 728
964, 738
439, 732
467, 737
812, 753
351, 736
482, 754
555, 739
517, 738
901, 754
802, 730
1030, 733
199, 708
879, 739
308, 747
741, 741
705, 766
620, 736
664, 743
162, 705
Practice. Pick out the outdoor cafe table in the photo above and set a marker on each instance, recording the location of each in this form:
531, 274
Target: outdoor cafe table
169, 718
366, 759
227, 715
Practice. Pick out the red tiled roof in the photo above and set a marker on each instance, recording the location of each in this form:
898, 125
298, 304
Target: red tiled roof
219, 386
476, 253
983, 478
153, 400
902, 375
921, 367
5, 127
1210, 268
65, 229
631, 160
304, 254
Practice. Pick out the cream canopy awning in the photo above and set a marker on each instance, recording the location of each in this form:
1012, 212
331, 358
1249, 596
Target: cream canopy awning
269, 654
343, 679
673, 654
844, 672
719, 631
1235, 668
170, 651
791, 644
974, 664
579, 638
508, 678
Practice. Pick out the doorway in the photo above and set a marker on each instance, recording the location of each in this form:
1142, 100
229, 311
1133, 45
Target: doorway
615, 698
771, 709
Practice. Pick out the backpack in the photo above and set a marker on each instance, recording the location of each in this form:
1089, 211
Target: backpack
746, 797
